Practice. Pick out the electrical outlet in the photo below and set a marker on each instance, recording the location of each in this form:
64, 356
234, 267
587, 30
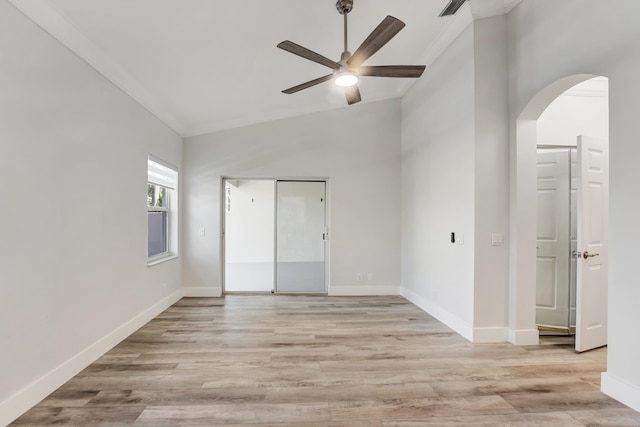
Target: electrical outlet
359, 277
369, 276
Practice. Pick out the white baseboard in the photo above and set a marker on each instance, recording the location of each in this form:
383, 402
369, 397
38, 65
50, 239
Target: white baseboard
449, 319
202, 291
490, 335
524, 336
621, 391
29, 396
360, 291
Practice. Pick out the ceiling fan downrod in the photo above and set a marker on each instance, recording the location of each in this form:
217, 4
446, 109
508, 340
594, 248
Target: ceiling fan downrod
344, 7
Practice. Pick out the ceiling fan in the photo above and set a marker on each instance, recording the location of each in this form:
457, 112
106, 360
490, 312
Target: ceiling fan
347, 71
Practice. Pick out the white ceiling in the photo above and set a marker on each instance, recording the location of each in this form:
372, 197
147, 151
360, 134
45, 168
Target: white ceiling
207, 65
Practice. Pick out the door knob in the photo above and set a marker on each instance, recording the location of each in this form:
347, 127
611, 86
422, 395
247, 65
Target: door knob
588, 255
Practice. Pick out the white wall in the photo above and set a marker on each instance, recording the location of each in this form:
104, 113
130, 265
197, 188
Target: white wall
550, 40
356, 148
438, 164
455, 170
73, 167
491, 180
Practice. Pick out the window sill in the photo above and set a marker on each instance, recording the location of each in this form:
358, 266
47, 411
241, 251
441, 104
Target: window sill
160, 259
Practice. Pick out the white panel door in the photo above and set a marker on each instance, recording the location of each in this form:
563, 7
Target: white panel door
593, 220
552, 259
300, 234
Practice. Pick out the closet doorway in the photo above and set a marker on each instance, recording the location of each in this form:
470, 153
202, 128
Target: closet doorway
572, 241
274, 236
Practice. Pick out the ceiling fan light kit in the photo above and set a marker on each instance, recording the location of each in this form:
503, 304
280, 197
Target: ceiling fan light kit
347, 71
345, 79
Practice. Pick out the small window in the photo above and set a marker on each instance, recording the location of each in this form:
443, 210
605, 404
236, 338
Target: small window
157, 221
161, 210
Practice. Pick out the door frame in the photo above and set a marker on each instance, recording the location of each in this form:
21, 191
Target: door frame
223, 233
326, 240
327, 218
522, 212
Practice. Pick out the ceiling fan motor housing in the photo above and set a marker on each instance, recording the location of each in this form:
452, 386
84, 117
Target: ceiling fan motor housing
344, 6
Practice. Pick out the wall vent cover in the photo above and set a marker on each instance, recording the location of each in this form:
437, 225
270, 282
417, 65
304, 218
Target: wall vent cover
452, 7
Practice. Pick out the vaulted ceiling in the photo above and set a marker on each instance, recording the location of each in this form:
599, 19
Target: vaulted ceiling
207, 65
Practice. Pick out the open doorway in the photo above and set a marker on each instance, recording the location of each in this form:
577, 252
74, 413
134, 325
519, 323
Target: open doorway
274, 236
556, 240
547, 164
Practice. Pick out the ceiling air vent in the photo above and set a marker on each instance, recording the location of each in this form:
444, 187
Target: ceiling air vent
452, 7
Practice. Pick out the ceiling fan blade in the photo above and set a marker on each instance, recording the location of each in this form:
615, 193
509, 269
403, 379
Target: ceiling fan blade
413, 71
296, 49
308, 84
353, 94
384, 32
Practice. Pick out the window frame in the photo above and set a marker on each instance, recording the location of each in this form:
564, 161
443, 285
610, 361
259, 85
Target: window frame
170, 206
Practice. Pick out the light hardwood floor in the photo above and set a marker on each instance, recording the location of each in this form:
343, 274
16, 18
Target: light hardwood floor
327, 361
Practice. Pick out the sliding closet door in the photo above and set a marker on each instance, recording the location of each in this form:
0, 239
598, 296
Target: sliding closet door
248, 235
300, 244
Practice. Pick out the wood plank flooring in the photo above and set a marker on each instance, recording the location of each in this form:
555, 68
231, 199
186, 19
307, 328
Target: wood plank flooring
326, 361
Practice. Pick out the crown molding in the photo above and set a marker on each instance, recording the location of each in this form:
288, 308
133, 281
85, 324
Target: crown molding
481, 9
45, 15
469, 12
53, 22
